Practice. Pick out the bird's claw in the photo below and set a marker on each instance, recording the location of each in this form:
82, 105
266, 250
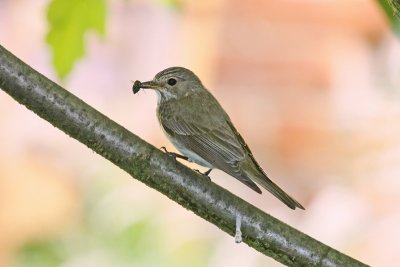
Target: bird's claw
172, 154
204, 173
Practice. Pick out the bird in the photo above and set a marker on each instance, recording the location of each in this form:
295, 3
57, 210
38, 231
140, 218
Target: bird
197, 125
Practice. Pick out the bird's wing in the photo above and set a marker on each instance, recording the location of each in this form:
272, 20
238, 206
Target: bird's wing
261, 177
217, 145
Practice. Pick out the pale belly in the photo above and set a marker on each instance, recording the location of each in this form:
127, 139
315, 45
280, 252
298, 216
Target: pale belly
193, 157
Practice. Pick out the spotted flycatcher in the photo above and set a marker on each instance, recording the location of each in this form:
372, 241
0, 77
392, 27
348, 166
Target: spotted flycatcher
200, 129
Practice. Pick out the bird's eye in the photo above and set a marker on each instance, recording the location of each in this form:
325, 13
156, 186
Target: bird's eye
171, 81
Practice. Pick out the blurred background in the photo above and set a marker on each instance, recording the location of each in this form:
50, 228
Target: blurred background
313, 86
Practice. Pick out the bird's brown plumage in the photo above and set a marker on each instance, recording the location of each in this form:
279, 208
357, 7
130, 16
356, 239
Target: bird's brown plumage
200, 129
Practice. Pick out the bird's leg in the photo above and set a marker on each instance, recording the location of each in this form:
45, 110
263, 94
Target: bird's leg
174, 155
207, 172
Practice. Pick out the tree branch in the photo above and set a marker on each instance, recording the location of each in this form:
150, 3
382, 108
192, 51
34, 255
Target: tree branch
159, 171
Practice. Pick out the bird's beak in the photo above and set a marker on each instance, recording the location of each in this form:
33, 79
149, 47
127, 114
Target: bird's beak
137, 85
149, 85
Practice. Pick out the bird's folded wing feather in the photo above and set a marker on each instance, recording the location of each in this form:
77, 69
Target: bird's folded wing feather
217, 145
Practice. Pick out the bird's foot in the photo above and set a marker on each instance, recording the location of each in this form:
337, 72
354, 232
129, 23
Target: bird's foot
174, 155
206, 173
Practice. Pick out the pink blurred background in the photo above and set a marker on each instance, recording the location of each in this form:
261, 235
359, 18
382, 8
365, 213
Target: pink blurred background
313, 86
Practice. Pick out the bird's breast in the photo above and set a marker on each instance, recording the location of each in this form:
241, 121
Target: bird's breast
173, 111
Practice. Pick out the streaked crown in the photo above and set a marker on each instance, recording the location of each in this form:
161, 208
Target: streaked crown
176, 82
176, 72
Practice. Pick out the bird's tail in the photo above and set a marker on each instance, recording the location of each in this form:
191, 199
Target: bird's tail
262, 179
278, 192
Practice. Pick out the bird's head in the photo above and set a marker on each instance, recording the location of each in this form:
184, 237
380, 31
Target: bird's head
171, 83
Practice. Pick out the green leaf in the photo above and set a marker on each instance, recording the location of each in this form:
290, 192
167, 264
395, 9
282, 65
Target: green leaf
40, 254
392, 11
137, 241
174, 4
69, 20
196, 251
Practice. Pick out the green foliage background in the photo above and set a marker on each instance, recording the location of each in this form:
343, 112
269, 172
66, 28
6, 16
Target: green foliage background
392, 11
69, 21
110, 234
